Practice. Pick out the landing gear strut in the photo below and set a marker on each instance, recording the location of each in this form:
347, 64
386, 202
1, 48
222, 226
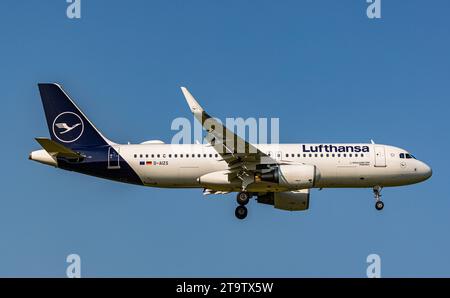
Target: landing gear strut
379, 205
242, 199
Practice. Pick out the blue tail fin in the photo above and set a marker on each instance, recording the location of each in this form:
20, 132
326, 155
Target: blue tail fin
66, 122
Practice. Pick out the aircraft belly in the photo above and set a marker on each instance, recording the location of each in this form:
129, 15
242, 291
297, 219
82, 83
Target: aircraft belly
363, 176
184, 175
345, 175
160, 175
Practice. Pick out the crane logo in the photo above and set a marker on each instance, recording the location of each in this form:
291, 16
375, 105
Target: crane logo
68, 127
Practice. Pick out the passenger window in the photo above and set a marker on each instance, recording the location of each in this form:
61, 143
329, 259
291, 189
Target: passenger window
315, 155
193, 155
356, 155
153, 155
350, 155
402, 155
199, 155
292, 155
158, 155
204, 155
135, 156
175, 156
310, 155
362, 155
170, 155
216, 155
140, 156
146, 155
321, 155
345, 155
287, 155
298, 155
339, 155
328, 155
210, 155
304, 155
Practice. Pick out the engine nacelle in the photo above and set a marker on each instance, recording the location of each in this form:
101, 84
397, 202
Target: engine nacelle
291, 176
289, 200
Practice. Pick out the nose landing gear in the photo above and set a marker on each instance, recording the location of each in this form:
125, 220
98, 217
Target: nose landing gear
379, 205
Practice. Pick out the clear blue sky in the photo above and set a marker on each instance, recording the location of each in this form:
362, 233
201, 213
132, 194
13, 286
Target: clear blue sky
328, 72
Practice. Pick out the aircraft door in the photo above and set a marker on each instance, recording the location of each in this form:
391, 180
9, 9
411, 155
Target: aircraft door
380, 156
113, 158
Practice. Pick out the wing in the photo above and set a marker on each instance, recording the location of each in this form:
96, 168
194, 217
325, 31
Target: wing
241, 156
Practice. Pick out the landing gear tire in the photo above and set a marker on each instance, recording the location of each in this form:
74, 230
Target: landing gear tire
377, 193
241, 212
242, 198
379, 205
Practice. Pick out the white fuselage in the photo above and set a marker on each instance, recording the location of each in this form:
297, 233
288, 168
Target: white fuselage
167, 165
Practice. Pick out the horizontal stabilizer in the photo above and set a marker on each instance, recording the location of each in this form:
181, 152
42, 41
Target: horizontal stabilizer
56, 149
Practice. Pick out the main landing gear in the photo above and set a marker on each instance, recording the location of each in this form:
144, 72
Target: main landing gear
379, 205
242, 199
241, 212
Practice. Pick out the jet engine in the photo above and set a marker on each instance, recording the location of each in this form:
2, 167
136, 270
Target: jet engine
291, 176
289, 200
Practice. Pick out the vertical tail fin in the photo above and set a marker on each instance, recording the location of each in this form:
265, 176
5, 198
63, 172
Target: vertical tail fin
66, 122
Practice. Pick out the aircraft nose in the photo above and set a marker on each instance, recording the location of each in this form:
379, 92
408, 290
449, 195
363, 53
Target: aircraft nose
425, 171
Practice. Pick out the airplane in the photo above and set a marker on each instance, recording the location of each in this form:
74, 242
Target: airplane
280, 175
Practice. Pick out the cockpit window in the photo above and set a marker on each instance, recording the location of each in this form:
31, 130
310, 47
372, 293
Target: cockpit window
406, 155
